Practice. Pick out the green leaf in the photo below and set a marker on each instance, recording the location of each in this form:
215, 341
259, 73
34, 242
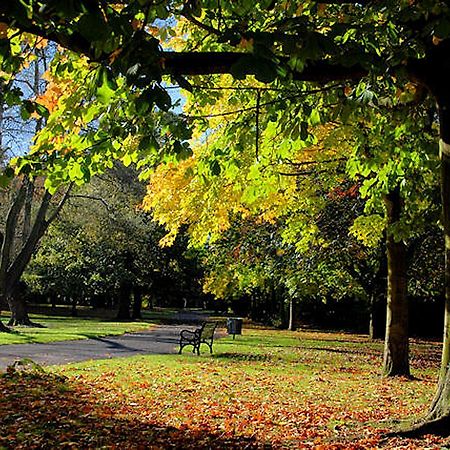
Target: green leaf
93, 27
75, 172
314, 118
214, 167
27, 109
162, 98
6, 177
106, 85
442, 29
42, 110
242, 67
127, 160
148, 144
303, 130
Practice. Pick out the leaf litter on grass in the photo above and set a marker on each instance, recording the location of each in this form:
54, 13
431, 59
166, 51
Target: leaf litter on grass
296, 396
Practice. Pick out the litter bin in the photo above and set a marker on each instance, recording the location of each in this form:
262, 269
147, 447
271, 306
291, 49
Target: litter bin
234, 326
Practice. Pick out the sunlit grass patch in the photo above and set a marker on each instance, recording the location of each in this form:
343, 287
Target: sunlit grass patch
68, 328
286, 390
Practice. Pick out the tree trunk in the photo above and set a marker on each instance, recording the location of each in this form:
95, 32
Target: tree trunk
372, 333
53, 301
124, 302
16, 303
396, 346
437, 421
440, 408
3, 327
73, 310
19, 314
137, 303
376, 316
291, 326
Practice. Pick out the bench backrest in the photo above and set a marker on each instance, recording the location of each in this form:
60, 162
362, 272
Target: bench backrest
208, 330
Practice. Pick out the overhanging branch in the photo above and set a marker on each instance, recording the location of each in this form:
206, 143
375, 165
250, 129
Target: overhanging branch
209, 63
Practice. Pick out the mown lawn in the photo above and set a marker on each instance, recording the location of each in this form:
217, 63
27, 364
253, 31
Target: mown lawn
68, 328
266, 389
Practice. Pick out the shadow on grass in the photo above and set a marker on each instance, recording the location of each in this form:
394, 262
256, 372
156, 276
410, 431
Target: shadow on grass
42, 410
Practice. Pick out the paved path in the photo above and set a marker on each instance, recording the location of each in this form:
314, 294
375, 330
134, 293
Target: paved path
162, 339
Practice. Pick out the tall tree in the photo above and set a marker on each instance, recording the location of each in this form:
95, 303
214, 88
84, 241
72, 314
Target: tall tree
321, 42
30, 208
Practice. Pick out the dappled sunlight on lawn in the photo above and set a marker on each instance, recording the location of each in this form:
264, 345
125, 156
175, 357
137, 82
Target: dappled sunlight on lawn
266, 390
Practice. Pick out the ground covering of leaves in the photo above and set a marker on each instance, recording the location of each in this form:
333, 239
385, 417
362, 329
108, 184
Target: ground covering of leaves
267, 389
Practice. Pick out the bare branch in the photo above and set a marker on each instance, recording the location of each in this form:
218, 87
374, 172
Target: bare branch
92, 197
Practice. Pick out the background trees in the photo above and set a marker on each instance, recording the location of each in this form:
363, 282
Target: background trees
359, 52
104, 251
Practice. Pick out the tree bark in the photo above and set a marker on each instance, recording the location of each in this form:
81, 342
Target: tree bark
376, 328
291, 326
437, 420
19, 314
372, 332
137, 302
440, 407
396, 345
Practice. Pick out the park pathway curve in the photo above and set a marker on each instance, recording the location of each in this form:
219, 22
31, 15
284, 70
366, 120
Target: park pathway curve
162, 339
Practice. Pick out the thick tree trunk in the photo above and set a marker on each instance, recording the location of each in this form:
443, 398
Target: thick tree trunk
19, 314
124, 302
137, 303
440, 408
17, 305
437, 421
396, 346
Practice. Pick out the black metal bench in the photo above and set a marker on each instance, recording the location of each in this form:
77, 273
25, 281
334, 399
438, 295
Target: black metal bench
202, 335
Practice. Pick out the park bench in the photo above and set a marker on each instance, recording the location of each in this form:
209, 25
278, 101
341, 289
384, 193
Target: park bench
202, 335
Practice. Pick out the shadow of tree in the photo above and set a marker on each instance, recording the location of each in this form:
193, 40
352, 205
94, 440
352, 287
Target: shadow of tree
43, 410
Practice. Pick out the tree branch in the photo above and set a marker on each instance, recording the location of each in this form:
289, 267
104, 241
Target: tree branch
10, 227
208, 63
92, 197
60, 204
17, 267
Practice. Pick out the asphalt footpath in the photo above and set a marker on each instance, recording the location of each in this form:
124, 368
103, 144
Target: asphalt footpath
161, 340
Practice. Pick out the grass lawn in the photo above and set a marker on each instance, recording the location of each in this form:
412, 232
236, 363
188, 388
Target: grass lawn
266, 389
68, 328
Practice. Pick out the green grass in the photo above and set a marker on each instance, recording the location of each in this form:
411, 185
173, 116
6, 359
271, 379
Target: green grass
266, 388
68, 328
278, 387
